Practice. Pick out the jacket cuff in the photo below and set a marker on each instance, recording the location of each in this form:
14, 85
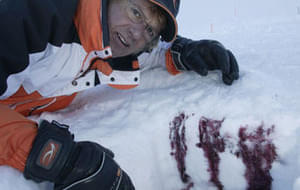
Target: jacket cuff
170, 63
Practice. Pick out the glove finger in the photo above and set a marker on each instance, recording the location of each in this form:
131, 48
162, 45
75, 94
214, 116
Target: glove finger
234, 67
227, 79
234, 70
197, 64
222, 59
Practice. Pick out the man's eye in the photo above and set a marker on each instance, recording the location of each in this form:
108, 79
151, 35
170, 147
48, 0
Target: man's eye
136, 13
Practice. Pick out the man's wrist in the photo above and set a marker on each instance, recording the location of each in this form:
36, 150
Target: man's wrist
176, 51
51, 150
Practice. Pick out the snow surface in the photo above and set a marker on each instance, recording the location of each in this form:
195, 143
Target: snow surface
135, 123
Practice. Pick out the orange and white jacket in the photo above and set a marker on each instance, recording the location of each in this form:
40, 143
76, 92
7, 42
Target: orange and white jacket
49, 51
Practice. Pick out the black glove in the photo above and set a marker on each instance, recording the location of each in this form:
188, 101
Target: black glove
71, 165
204, 55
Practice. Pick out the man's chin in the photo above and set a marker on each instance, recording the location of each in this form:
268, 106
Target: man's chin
115, 55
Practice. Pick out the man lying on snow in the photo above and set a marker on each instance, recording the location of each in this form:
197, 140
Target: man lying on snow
50, 50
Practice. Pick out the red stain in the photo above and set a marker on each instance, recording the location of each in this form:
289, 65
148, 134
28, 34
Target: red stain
255, 148
212, 144
258, 153
179, 147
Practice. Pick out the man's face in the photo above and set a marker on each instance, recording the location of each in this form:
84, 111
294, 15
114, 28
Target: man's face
133, 25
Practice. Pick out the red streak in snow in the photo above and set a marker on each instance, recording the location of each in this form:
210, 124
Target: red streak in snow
258, 153
212, 144
179, 147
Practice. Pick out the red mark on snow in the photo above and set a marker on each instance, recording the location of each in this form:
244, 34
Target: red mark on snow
212, 144
255, 148
179, 147
258, 153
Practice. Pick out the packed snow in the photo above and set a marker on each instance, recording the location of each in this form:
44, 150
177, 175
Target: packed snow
135, 124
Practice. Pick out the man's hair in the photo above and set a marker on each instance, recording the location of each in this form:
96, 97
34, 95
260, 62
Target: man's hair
162, 20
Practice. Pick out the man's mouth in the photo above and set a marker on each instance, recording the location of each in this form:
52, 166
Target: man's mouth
122, 39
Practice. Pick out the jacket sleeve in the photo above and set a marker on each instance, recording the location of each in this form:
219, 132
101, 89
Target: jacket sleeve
13, 44
160, 56
16, 137
27, 27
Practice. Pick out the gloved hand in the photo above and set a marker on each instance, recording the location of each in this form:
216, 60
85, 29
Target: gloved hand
71, 165
204, 55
